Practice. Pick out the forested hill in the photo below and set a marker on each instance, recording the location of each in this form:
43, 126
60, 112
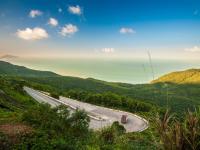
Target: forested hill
179, 97
181, 77
58, 81
20, 71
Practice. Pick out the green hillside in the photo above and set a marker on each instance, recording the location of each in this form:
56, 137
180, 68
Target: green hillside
25, 124
38, 126
191, 76
177, 97
14, 70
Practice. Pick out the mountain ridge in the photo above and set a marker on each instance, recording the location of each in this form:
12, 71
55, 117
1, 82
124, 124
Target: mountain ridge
9, 69
7, 56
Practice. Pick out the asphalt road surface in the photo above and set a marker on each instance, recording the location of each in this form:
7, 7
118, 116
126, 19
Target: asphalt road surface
99, 116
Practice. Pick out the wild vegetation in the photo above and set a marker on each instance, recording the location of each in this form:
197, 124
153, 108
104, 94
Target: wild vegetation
179, 135
111, 100
41, 127
177, 97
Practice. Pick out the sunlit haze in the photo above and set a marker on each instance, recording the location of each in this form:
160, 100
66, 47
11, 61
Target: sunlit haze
109, 40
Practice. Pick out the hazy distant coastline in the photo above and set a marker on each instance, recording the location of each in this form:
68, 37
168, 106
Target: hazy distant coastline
122, 70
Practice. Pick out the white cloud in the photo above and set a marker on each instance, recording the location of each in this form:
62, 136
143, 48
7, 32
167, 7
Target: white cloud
126, 30
108, 50
69, 30
193, 49
53, 22
35, 13
59, 10
32, 34
75, 10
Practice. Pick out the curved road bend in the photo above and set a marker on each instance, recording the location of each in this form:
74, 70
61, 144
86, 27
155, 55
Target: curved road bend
99, 116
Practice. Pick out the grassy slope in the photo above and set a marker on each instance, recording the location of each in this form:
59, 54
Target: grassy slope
191, 76
13, 100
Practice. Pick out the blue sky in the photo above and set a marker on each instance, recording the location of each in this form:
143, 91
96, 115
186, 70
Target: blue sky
102, 28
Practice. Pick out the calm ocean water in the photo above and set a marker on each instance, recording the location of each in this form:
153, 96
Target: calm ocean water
116, 70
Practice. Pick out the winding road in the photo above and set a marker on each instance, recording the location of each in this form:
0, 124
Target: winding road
99, 116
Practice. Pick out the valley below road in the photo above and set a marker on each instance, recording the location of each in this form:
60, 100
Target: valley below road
100, 117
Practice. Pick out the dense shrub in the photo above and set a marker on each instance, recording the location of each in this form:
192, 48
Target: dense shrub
111, 100
54, 95
56, 127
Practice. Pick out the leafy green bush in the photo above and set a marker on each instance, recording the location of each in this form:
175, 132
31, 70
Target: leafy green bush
4, 142
56, 127
54, 95
112, 100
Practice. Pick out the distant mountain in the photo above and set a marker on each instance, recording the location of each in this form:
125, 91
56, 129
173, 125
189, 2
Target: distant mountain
8, 56
61, 82
181, 77
9, 69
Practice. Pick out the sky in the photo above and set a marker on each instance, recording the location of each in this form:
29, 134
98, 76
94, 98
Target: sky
100, 28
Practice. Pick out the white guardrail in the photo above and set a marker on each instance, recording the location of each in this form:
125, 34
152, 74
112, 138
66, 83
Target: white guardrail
72, 107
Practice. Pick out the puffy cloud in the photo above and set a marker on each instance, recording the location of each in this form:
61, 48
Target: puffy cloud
108, 50
53, 22
75, 10
69, 30
126, 30
32, 34
35, 13
193, 49
59, 10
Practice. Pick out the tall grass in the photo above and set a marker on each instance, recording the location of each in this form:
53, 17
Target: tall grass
176, 135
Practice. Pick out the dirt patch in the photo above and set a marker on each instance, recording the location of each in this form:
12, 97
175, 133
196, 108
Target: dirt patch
15, 131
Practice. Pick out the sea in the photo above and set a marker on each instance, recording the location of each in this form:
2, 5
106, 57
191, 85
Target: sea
135, 71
